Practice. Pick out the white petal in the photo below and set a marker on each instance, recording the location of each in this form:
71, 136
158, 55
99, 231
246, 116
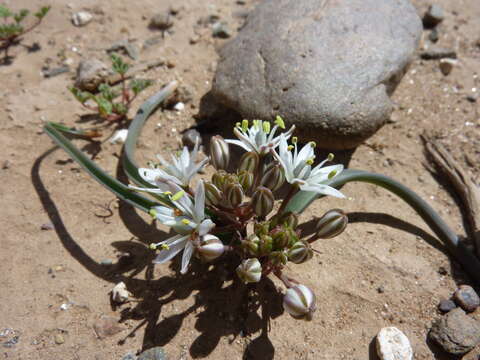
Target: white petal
199, 211
187, 255
239, 143
205, 227
175, 244
322, 189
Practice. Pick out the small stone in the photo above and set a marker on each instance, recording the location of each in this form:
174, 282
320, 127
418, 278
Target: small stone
161, 21
446, 305
81, 18
120, 294
194, 39
129, 356
90, 73
392, 344
433, 36
466, 298
119, 136
47, 226
56, 71
6, 164
456, 332
471, 98
107, 326
59, 339
446, 66
441, 270
124, 45
221, 30
436, 53
174, 9
190, 137
241, 2
152, 41
106, 262
381, 289
433, 16
180, 106
155, 353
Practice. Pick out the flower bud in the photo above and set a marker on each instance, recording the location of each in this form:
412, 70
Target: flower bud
219, 152
234, 195
249, 162
210, 247
331, 224
261, 228
300, 252
218, 179
278, 257
266, 244
251, 245
213, 196
250, 270
245, 179
273, 177
289, 219
280, 238
299, 302
262, 201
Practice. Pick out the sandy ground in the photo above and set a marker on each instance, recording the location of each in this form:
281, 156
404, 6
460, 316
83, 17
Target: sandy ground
386, 245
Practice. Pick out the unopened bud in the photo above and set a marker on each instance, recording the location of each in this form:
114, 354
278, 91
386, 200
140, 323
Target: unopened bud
218, 179
234, 195
251, 244
289, 219
299, 302
219, 152
273, 178
266, 244
262, 201
300, 252
331, 224
249, 162
210, 247
245, 179
250, 270
213, 196
261, 228
278, 257
280, 238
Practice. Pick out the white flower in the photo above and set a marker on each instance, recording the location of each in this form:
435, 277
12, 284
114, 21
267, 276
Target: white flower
187, 219
298, 168
180, 171
259, 137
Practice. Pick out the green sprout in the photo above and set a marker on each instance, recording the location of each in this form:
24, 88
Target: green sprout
105, 103
12, 27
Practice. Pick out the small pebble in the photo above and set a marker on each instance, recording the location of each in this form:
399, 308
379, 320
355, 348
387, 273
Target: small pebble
59, 339
446, 305
120, 294
436, 53
180, 106
433, 16
56, 71
119, 136
466, 298
221, 30
433, 36
471, 98
392, 344
155, 353
152, 41
6, 164
107, 326
106, 262
190, 137
161, 21
446, 66
47, 226
81, 18
441, 270
129, 356
381, 289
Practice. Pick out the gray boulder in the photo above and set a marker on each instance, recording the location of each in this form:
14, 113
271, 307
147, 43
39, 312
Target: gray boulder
327, 66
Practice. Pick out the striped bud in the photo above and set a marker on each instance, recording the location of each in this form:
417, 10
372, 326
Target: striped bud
280, 239
249, 162
213, 196
210, 247
218, 179
234, 195
278, 257
266, 244
262, 201
250, 271
299, 302
251, 244
273, 177
331, 224
300, 252
219, 152
245, 179
289, 219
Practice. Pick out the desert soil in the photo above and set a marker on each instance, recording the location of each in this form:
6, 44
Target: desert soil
54, 286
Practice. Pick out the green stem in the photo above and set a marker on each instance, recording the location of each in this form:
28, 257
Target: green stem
459, 251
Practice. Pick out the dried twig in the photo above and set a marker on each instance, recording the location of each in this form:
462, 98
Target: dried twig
467, 190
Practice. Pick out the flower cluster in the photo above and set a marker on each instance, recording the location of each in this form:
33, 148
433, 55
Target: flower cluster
241, 205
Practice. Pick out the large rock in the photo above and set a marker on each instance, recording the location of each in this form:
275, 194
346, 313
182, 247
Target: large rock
327, 66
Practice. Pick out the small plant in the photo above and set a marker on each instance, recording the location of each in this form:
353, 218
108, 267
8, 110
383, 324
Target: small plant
105, 103
12, 28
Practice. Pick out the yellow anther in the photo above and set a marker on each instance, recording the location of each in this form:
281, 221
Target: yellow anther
294, 140
290, 147
165, 247
168, 193
245, 125
279, 121
332, 174
313, 144
178, 195
330, 157
153, 246
309, 162
257, 124
266, 127
153, 213
185, 221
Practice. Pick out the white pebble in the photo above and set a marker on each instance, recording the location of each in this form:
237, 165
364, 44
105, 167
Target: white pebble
119, 136
392, 344
81, 18
120, 294
179, 106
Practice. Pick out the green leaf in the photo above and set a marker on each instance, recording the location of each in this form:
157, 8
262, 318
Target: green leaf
119, 189
119, 108
10, 30
105, 106
5, 12
40, 14
81, 96
118, 65
138, 85
107, 92
22, 14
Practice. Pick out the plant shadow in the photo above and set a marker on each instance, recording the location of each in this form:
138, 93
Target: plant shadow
223, 306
